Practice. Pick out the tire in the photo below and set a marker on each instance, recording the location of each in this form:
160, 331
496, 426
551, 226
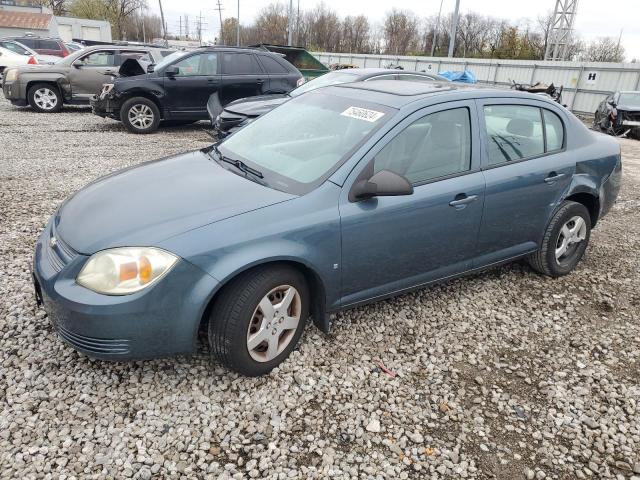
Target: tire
237, 318
140, 115
44, 98
575, 239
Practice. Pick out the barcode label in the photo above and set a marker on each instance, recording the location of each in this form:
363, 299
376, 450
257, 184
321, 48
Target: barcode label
362, 114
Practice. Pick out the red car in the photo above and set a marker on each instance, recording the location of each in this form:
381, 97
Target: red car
44, 45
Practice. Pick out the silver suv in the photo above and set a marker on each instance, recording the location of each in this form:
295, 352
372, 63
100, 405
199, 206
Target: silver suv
74, 79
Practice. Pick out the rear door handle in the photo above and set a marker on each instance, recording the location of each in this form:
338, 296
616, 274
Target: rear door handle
462, 199
553, 177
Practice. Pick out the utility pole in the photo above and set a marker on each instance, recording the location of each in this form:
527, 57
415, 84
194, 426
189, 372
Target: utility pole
435, 33
144, 35
454, 29
164, 26
219, 8
180, 36
199, 25
290, 26
238, 27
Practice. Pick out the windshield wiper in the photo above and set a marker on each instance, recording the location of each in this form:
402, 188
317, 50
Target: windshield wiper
239, 164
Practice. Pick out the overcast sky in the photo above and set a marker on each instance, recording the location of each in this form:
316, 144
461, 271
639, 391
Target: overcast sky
596, 18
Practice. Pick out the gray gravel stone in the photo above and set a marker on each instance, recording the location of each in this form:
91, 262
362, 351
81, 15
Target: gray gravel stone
502, 374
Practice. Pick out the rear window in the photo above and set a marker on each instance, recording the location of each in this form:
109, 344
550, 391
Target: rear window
48, 45
240, 64
272, 65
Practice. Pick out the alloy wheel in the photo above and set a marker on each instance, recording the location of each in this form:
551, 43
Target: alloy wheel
572, 233
45, 98
274, 323
141, 116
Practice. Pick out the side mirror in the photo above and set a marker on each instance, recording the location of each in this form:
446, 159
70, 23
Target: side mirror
171, 70
385, 183
612, 102
151, 68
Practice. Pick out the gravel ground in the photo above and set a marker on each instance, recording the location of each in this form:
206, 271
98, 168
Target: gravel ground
503, 375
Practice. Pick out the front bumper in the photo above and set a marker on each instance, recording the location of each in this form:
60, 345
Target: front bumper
160, 321
106, 106
227, 123
14, 92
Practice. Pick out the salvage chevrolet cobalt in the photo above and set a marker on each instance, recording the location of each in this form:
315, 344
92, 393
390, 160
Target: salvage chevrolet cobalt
341, 196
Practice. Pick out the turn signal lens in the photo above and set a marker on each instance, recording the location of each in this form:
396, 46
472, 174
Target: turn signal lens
121, 271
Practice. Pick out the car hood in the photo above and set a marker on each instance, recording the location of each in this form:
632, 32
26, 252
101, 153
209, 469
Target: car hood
256, 106
146, 204
628, 108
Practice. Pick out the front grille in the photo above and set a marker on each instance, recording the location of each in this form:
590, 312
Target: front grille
60, 254
94, 345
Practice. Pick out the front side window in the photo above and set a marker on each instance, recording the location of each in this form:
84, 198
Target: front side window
201, 64
302, 141
434, 146
28, 42
240, 64
99, 59
514, 132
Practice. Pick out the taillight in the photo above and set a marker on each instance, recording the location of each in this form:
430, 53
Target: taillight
32, 61
300, 82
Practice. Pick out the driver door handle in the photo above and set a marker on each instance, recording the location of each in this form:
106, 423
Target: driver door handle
553, 177
461, 200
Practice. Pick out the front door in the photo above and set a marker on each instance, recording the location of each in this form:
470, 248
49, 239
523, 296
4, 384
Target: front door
89, 72
393, 243
188, 91
526, 170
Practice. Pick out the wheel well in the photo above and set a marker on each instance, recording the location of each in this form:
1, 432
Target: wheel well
316, 289
591, 203
148, 97
44, 82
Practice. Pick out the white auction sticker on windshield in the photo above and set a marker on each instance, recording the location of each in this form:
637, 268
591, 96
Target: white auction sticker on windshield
362, 114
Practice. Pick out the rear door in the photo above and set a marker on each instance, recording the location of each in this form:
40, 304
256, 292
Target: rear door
281, 80
526, 169
90, 71
188, 91
242, 76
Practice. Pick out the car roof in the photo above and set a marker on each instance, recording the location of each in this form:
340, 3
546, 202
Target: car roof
398, 93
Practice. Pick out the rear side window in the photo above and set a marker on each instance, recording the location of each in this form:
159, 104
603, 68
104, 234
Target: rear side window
104, 58
514, 132
48, 45
271, 65
240, 64
554, 131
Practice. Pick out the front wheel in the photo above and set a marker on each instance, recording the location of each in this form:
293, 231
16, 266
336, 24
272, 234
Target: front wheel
140, 115
565, 240
258, 319
44, 98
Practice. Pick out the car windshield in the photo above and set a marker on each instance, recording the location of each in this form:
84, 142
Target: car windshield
170, 59
299, 144
16, 48
631, 99
332, 78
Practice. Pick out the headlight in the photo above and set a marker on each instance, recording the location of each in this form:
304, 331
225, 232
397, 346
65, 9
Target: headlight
121, 271
11, 75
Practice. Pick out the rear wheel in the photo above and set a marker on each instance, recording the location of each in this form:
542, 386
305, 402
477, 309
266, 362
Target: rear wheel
258, 319
565, 240
44, 98
140, 115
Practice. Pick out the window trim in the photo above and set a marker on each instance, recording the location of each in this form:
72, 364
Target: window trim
511, 102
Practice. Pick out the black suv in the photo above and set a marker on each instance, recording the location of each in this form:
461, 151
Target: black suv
177, 89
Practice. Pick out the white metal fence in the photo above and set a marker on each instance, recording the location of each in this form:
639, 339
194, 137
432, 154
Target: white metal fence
586, 84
